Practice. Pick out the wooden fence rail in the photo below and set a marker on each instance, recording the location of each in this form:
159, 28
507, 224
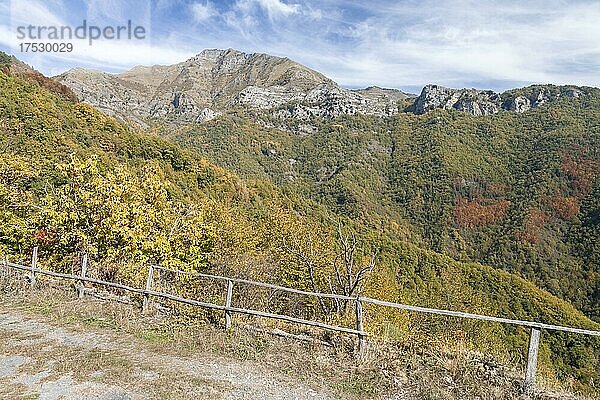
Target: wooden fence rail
147, 293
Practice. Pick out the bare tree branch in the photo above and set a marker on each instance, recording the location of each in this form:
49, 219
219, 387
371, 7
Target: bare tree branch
344, 279
308, 261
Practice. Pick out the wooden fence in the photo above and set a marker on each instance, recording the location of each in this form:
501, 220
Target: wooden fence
228, 310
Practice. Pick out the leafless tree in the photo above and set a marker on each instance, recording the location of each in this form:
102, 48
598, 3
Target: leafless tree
350, 275
349, 269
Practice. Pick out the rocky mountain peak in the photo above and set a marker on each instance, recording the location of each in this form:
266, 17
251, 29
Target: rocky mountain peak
215, 81
214, 54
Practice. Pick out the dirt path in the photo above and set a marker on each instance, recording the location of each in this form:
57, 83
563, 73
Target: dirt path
39, 360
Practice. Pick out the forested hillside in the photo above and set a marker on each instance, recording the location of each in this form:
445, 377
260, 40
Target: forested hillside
519, 192
74, 180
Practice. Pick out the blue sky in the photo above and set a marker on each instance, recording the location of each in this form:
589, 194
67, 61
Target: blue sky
401, 44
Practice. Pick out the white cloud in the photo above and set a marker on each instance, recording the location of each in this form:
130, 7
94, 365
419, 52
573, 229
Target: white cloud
108, 55
102, 54
455, 44
277, 8
118, 10
33, 12
383, 42
252, 19
273, 8
203, 11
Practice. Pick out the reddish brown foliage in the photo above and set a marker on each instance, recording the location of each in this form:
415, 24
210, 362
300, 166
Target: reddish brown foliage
51, 85
471, 214
583, 171
44, 237
564, 207
533, 226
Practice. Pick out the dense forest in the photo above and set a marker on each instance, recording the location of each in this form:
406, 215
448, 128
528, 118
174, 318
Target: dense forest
457, 210
519, 192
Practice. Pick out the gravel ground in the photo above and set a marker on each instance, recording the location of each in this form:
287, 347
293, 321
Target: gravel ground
42, 361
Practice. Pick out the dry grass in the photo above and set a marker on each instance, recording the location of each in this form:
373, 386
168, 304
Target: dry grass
387, 371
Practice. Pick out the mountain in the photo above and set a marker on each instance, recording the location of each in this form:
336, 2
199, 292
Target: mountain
215, 81
518, 191
494, 214
507, 179
13, 65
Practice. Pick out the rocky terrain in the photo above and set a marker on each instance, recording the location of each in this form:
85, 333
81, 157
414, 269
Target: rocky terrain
214, 81
486, 102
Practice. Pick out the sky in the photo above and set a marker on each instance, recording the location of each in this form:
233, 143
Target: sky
399, 44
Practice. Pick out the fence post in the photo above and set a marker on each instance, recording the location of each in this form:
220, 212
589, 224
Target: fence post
84, 262
148, 288
532, 357
34, 260
362, 342
228, 304
5, 269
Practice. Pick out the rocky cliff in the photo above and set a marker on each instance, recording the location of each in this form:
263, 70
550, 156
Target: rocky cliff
487, 102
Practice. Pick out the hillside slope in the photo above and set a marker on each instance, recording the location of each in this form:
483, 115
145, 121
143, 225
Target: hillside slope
510, 180
73, 180
518, 191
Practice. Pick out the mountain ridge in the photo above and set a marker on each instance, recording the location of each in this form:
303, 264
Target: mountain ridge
214, 81
487, 102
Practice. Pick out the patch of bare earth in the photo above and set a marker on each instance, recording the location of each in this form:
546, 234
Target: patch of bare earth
40, 360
